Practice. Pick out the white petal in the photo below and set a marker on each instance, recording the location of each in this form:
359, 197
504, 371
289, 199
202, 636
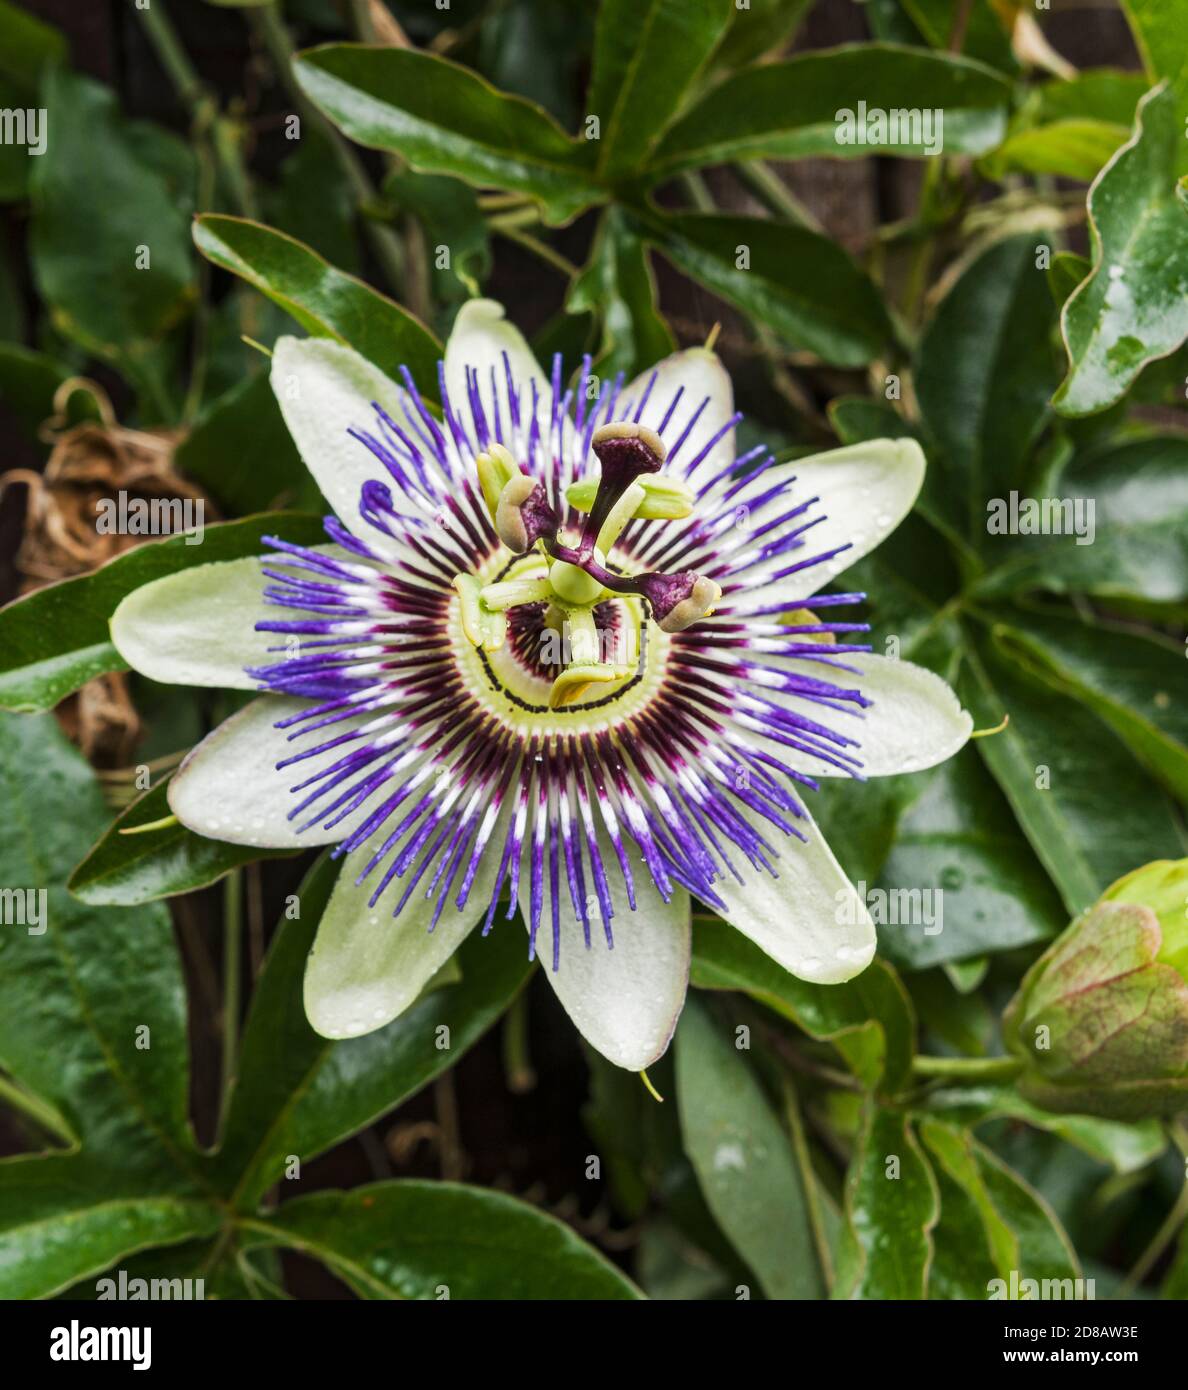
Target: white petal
625, 1002
704, 378
811, 919
916, 721
229, 787
325, 389
479, 338
366, 966
198, 627
865, 491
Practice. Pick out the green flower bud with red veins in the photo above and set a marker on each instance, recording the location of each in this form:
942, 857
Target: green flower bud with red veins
1101, 1019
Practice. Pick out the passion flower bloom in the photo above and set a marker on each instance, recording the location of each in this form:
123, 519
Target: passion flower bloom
565, 653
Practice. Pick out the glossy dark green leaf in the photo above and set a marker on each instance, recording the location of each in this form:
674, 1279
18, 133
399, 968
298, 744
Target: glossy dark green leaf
124, 869
743, 1159
618, 285
961, 1266
1083, 802
1132, 309
790, 110
324, 301
141, 240
802, 285
891, 1208
444, 119
855, 419
1022, 1232
762, 28
56, 639
68, 1218
1158, 27
646, 55
984, 374
298, 1093
960, 879
1138, 490
438, 1240
246, 423
110, 1056
869, 1018
1134, 682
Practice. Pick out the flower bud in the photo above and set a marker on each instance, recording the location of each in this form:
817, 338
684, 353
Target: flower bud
1101, 1019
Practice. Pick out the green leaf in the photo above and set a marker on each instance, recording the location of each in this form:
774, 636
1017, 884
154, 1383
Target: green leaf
1139, 494
28, 381
984, 373
869, 1018
1072, 149
65, 1218
1021, 1231
433, 1240
802, 285
27, 45
1132, 681
647, 53
123, 312
1125, 1147
959, 851
856, 419
246, 423
891, 1208
1158, 27
790, 110
56, 639
618, 285
298, 1093
325, 302
763, 28
451, 218
124, 869
1089, 819
1132, 308
445, 119
326, 224
72, 1026
744, 1160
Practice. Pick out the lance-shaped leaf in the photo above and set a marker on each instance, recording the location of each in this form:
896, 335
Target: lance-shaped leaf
802, 285
984, 374
869, 1018
57, 638
298, 1093
130, 865
1021, 1233
618, 285
1088, 820
1132, 309
765, 27
325, 302
1135, 683
796, 109
434, 1240
743, 1159
647, 53
891, 1208
444, 119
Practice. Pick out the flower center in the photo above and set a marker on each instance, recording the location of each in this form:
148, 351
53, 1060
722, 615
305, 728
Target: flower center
584, 616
